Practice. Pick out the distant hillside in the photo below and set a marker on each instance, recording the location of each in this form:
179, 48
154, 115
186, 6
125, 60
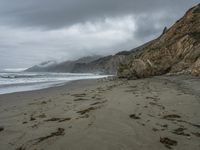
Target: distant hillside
104, 65
91, 64
177, 50
66, 66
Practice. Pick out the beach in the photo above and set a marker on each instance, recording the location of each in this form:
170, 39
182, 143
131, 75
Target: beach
104, 114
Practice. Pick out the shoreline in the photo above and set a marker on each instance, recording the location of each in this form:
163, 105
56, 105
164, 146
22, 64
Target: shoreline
29, 81
15, 97
152, 113
47, 88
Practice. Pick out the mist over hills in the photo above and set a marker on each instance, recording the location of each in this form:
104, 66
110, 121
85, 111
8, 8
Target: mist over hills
66, 66
176, 50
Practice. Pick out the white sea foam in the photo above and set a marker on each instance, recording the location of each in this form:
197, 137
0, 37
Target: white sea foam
25, 81
14, 69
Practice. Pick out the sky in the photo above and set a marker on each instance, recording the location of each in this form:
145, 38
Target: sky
33, 31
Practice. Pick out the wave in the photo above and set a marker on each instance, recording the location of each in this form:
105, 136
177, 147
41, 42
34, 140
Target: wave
14, 69
23, 81
12, 76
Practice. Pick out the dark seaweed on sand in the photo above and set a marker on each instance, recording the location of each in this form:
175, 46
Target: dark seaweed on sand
59, 132
82, 112
133, 116
58, 119
168, 142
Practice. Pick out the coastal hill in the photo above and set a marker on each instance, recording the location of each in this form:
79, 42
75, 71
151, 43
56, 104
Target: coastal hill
176, 50
89, 64
66, 66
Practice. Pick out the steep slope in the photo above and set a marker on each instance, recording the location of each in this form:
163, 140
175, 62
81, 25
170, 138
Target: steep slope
177, 50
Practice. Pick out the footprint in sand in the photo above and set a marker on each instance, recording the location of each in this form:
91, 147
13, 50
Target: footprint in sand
80, 97
168, 142
171, 117
180, 131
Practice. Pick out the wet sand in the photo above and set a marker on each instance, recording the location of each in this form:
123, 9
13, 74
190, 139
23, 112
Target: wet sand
147, 114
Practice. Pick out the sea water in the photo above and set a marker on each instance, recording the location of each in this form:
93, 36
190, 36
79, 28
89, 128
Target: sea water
16, 81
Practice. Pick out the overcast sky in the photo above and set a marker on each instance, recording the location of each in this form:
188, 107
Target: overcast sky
32, 31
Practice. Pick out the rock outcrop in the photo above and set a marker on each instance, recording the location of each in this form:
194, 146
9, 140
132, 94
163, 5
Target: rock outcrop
177, 50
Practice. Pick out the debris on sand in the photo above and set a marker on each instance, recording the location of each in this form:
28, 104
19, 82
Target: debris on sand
42, 116
134, 116
82, 112
155, 104
180, 131
53, 119
1, 129
96, 103
59, 119
20, 148
80, 99
155, 129
171, 116
153, 98
164, 125
32, 118
79, 95
168, 142
59, 132
64, 119
43, 102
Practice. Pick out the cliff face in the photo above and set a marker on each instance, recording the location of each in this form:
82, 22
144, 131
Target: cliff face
177, 50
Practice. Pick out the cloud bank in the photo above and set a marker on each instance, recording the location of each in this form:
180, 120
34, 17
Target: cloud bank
32, 31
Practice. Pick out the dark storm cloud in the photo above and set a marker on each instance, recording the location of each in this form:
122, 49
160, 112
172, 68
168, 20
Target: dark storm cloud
149, 25
59, 13
32, 31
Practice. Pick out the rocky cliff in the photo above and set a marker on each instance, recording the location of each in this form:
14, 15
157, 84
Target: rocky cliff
177, 50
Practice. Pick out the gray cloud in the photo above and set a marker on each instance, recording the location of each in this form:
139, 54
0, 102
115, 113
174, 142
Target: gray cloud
32, 31
60, 13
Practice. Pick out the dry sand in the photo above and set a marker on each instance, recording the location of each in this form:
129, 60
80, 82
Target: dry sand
148, 114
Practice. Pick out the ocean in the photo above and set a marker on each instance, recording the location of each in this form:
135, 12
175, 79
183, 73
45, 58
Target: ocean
16, 81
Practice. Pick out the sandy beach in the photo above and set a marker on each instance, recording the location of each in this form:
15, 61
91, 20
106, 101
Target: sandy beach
105, 114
